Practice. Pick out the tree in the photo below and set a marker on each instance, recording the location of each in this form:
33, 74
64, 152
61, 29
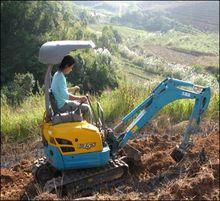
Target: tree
94, 72
26, 25
110, 39
20, 88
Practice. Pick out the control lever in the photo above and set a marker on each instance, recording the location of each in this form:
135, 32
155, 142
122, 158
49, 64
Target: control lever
90, 104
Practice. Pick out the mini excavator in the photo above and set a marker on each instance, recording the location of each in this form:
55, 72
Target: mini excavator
80, 156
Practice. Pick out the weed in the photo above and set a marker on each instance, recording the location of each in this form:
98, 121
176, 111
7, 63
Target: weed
198, 68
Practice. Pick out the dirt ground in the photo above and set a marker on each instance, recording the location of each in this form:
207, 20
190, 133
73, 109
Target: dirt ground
158, 178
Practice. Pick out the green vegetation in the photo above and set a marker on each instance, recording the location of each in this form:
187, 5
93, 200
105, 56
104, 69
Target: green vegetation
26, 25
128, 95
24, 121
16, 91
151, 21
109, 39
122, 53
94, 71
198, 68
200, 42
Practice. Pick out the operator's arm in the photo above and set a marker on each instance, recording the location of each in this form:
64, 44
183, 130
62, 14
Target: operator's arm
77, 98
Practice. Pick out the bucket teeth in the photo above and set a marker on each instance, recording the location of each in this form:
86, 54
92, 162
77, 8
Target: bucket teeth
177, 154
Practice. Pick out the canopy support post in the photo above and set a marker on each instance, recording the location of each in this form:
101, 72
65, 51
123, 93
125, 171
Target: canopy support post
47, 83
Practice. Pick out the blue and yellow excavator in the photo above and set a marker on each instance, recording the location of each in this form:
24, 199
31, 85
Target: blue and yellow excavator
81, 156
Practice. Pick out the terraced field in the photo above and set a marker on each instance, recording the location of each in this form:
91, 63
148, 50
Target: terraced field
177, 50
201, 42
202, 15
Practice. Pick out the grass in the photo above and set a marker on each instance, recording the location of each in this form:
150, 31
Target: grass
24, 121
201, 42
116, 104
133, 72
18, 124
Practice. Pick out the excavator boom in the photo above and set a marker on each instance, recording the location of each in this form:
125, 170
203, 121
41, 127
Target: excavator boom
166, 92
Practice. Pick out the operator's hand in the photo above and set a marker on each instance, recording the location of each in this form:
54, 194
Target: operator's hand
83, 99
76, 88
73, 89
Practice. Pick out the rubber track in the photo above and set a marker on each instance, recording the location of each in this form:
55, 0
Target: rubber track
84, 181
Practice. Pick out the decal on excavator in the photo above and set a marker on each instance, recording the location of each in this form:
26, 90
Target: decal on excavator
186, 94
134, 129
87, 146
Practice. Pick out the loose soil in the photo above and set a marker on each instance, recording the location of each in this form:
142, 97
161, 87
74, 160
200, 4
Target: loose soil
158, 177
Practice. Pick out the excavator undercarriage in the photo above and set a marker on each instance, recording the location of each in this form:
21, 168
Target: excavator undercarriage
80, 181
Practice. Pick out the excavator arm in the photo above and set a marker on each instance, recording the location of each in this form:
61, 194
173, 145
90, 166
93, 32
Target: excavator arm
166, 92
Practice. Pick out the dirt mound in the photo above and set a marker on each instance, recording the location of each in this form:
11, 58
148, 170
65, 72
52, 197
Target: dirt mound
158, 178
201, 183
157, 162
14, 181
46, 196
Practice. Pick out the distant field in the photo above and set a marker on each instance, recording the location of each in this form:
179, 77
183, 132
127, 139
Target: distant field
135, 74
201, 42
201, 15
124, 31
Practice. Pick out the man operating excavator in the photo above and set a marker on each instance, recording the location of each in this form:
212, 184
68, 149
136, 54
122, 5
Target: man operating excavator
81, 156
66, 101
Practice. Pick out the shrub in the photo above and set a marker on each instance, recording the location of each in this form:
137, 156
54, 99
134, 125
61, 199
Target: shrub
139, 61
198, 68
126, 53
201, 81
19, 89
109, 39
94, 72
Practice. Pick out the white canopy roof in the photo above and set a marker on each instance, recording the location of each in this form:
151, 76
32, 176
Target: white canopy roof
53, 52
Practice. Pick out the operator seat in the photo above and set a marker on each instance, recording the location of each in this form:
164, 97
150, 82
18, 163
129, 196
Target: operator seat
58, 116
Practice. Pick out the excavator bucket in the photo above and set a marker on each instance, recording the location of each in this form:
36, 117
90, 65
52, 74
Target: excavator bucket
132, 155
177, 154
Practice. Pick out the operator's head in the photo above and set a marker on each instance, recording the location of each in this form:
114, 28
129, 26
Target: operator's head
67, 64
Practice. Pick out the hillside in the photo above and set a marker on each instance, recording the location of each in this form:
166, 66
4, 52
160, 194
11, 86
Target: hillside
201, 15
145, 55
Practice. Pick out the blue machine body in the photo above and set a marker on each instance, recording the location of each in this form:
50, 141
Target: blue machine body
76, 161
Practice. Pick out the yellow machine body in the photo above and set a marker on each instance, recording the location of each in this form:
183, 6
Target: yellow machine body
73, 137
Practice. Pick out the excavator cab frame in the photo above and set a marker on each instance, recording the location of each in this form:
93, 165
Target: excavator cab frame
52, 53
